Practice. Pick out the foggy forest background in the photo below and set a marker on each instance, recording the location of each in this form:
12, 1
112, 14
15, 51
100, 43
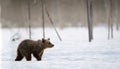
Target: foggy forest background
64, 13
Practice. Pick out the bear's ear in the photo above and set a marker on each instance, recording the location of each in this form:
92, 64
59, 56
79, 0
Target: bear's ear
43, 40
48, 39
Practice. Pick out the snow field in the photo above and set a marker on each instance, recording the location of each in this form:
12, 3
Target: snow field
74, 52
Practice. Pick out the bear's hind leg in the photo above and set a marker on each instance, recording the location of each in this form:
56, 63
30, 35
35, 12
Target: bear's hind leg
19, 56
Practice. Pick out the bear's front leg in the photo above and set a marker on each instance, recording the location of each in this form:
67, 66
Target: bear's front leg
28, 57
37, 56
40, 55
19, 56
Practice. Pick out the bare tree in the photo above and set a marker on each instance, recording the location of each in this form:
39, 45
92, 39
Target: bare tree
43, 19
0, 10
90, 19
0, 15
111, 18
109, 12
116, 15
29, 18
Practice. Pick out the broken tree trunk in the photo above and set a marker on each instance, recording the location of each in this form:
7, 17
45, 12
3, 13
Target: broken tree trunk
51, 21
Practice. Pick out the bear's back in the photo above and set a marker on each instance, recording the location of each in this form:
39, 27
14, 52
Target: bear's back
27, 44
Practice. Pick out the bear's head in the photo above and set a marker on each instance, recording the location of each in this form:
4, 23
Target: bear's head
46, 43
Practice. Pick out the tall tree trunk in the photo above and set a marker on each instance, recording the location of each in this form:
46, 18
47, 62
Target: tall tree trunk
43, 19
90, 18
0, 15
0, 27
116, 15
111, 17
108, 16
29, 18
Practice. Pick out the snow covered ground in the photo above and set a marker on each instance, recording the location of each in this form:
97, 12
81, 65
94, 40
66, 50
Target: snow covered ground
73, 52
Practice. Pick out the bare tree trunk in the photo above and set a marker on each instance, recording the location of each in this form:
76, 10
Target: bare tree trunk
43, 19
116, 14
109, 28
111, 17
29, 18
89, 17
108, 16
0, 26
0, 15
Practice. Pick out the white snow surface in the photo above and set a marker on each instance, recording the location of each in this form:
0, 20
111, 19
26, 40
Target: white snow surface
73, 52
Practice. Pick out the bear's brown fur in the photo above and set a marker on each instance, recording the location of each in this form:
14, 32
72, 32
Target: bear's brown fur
28, 47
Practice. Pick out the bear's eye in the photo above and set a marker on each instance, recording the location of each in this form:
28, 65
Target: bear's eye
49, 43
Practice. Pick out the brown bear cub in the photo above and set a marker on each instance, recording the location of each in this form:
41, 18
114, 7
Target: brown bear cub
28, 47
